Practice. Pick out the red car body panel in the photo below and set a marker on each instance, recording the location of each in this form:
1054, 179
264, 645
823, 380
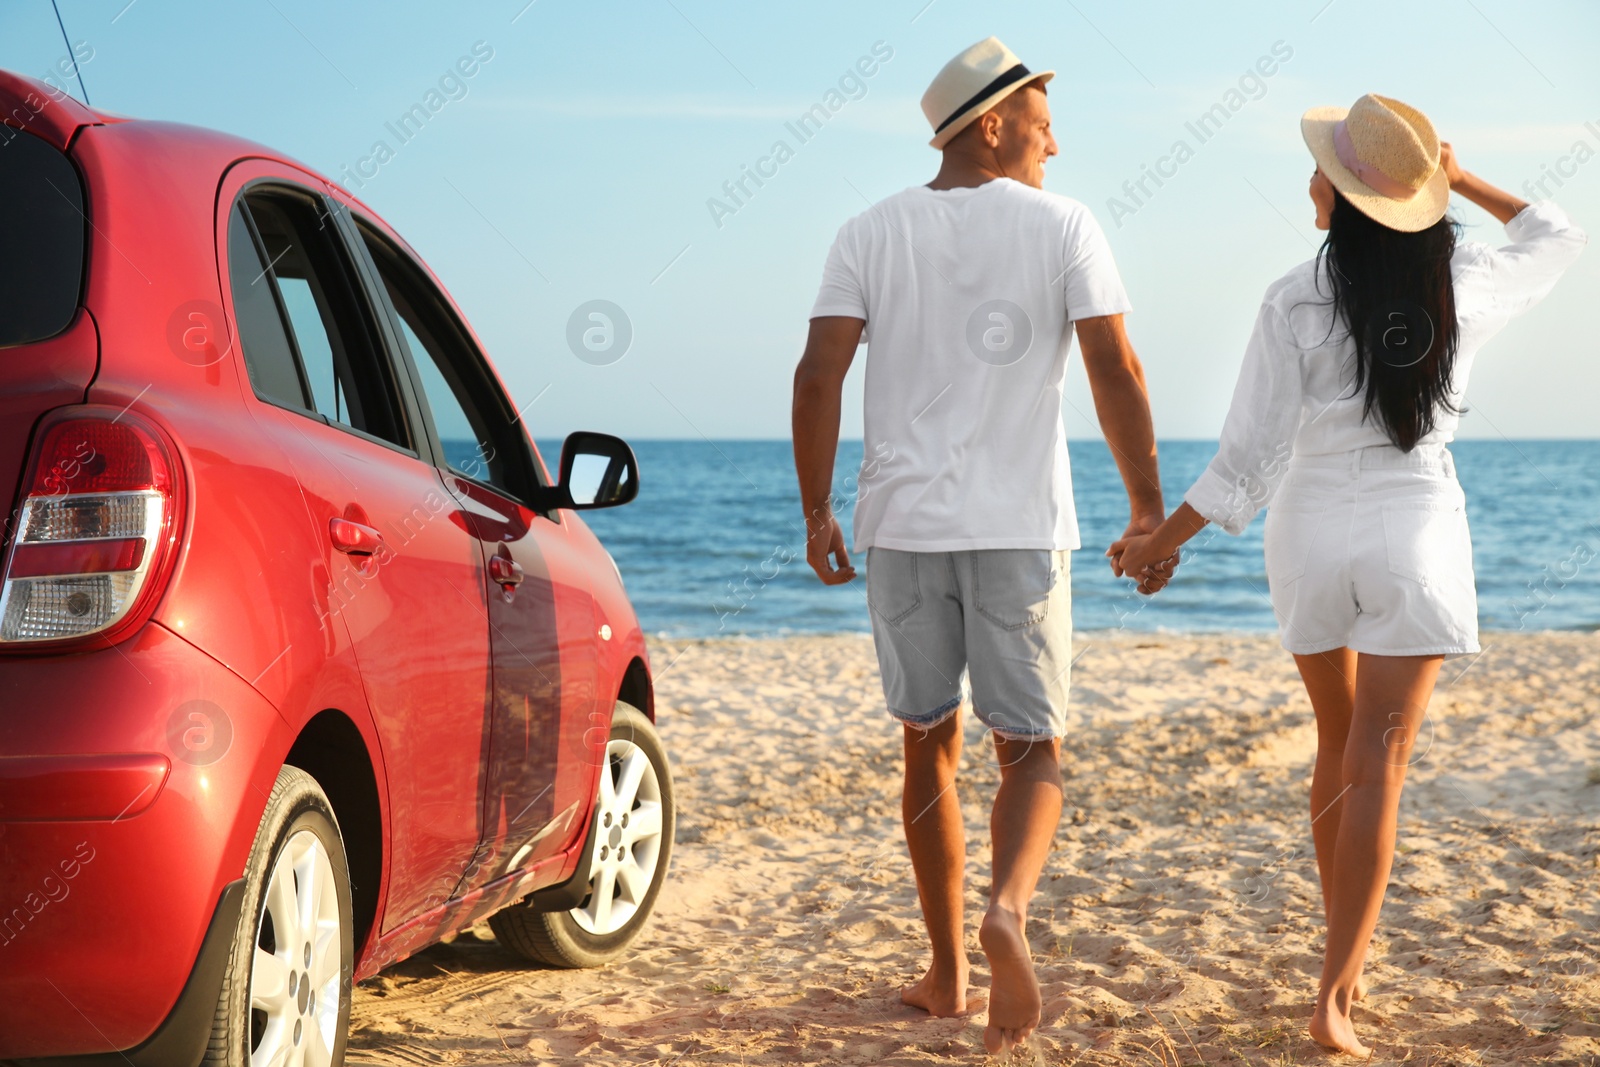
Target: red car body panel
416, 625
109, 785
113, 935
484, 779
46, 113
56, 372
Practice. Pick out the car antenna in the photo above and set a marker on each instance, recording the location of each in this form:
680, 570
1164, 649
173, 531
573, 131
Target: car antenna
76, 73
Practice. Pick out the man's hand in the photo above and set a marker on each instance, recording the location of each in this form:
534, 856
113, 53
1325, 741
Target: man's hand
825, 550
818, 384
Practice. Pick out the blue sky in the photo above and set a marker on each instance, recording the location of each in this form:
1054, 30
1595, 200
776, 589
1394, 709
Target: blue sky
576, 164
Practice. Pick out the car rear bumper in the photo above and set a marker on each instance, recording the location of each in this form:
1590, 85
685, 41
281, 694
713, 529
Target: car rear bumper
124, 818
182, 1037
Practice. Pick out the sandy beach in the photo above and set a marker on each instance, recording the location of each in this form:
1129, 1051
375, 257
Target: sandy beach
1178, 921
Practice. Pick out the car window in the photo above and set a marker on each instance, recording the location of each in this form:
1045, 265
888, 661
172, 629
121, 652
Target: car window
305, 329
474, 421
274, 372
305, 313
41, 239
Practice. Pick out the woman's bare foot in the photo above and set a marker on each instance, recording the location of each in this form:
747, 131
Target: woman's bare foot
1014, 1000
938, 993
1360, 991
1333, 1028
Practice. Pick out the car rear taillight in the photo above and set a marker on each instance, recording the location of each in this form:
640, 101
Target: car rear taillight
100, 503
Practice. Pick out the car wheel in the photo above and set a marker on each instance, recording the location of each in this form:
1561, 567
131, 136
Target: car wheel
635, 815
286, 996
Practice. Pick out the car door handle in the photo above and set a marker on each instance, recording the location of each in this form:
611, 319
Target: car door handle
505, 571
354, 538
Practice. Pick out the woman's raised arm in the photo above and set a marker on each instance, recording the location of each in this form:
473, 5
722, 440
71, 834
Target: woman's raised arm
1544, 242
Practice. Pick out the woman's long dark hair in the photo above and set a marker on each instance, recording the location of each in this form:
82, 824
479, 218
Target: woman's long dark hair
1394, 292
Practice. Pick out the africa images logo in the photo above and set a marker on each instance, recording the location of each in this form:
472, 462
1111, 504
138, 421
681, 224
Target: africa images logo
599, 332
999, 333
196, 333
852, 85
1252, 85
199, 732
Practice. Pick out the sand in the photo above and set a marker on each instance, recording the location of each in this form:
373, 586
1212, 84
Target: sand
1178, 920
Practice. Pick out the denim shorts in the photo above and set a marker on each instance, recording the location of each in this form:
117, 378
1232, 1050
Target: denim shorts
1370, 550
1000, 617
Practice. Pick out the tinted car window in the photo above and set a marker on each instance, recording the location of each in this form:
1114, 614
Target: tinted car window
467, 446
471, 415
270, 361
306, 330
42, 233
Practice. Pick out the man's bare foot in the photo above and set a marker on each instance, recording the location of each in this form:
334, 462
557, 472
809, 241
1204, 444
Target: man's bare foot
1014, 1000
1333, 1028
938, 994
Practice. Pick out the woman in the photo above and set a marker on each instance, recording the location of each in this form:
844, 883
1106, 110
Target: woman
1349, 393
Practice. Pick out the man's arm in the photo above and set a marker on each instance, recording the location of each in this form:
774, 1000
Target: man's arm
818, 392
1116, 377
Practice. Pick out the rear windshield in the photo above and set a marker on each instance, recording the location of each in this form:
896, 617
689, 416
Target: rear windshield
42, 231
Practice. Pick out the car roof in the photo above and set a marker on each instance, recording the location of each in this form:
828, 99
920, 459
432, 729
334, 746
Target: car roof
48, 113
57, 117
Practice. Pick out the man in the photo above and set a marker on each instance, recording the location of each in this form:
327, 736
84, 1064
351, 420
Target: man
967, 291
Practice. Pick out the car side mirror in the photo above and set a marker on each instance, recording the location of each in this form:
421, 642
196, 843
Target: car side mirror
597, 471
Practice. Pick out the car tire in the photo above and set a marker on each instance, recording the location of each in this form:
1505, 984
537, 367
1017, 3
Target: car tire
635, 816
290, 992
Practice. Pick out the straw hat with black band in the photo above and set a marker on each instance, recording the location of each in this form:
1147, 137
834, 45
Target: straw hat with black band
972, 83
1384, 157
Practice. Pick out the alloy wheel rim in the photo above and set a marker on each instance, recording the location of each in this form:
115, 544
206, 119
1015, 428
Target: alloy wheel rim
629, 820
298, 962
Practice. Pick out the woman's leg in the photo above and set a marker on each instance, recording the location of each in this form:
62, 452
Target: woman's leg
1330, 679
1391, 700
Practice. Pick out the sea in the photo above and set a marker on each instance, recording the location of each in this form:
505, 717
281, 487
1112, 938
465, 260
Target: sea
714, 544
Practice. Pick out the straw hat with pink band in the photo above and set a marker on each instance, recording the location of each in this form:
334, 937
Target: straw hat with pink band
1384, 157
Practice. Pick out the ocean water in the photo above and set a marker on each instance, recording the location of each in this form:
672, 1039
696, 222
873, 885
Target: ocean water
715, 545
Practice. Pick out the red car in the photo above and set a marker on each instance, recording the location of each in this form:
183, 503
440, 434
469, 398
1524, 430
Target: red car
305, 660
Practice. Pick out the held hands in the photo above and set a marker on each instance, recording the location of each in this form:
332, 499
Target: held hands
825, 539
1135, 556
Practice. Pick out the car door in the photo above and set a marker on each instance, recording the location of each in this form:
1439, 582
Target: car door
542, 633
403, 575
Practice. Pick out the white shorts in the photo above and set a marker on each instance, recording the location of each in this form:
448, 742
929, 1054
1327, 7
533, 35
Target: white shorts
1369, 549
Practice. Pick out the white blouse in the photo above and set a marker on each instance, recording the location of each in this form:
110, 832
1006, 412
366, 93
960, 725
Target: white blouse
1295, 397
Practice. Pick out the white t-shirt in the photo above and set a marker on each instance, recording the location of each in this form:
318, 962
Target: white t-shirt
1295, 394
969, 296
